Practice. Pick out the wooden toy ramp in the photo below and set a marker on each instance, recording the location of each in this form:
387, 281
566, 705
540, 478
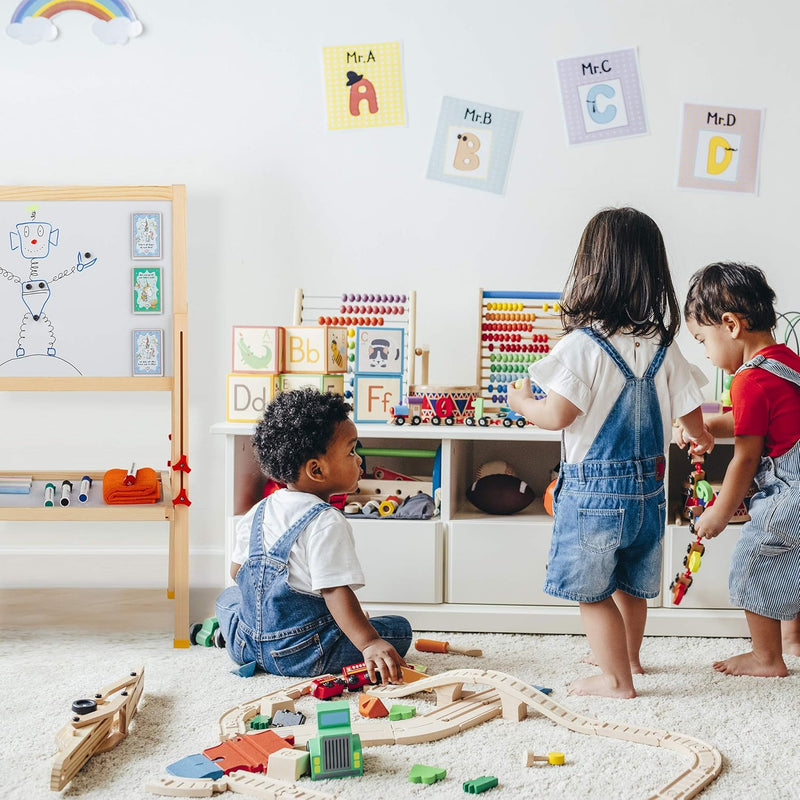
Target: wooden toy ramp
458, 709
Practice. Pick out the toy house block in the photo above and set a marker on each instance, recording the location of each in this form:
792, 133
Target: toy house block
323, 383
374, 396
257, 349
371, 707
315, 349
288, 765
379, 351
248, 396
276, 702
250, 753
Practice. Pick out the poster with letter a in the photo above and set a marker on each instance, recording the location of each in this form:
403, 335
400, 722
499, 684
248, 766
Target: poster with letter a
473, 145
602, 96
364, 85
719, 148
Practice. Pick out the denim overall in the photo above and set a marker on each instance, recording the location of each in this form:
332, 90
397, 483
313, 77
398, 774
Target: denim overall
610, 508
765, 565
286, 631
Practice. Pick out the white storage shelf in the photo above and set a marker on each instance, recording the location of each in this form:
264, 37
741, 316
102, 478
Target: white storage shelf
469, 571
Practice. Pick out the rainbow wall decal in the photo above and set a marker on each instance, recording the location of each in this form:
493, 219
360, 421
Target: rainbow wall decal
116, 20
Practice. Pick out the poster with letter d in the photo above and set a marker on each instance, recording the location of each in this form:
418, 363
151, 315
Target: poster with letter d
720, 148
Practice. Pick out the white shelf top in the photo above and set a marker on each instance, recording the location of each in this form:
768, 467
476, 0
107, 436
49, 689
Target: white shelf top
381, 430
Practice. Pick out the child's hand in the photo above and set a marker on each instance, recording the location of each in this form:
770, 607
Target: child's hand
710, 524
519, 391
380, 656
702, 444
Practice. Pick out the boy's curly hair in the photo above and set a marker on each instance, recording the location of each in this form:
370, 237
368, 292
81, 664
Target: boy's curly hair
732, 287
296, 427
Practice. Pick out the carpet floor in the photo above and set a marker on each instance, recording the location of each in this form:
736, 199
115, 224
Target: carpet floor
753, 722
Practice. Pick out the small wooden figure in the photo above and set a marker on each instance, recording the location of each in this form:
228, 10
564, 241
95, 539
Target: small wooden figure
432, 646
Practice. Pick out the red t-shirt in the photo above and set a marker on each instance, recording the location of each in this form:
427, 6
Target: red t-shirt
766, 405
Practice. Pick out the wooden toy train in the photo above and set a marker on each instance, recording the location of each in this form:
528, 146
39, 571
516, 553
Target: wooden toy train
450, 405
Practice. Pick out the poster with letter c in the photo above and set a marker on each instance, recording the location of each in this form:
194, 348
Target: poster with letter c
602, 96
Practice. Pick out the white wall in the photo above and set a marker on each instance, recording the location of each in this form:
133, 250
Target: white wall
228, 99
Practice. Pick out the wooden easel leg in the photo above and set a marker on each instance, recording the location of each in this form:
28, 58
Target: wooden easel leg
181, 575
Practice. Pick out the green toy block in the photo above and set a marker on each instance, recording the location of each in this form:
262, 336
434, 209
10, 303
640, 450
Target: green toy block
205, 636
260, 722
422, 774
478, 785
399, 711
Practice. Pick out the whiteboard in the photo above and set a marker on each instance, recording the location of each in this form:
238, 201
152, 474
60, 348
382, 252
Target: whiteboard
66, 287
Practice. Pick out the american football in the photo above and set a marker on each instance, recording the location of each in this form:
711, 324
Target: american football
500, 494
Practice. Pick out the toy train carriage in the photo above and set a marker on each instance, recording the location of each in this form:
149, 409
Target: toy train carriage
436, 404
356, 676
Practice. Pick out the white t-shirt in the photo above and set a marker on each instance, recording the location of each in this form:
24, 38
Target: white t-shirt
580, 370
324, 555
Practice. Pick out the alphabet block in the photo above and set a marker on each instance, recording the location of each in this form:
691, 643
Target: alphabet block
379, 351
248, 396
319, 349
323, 383
374, 396
257, 349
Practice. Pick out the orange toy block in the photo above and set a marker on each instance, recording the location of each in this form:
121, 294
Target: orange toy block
250, 753
371, 707
411, 675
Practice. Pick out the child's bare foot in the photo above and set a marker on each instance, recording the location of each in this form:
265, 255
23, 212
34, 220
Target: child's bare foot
750, 664
636, 666
601, 686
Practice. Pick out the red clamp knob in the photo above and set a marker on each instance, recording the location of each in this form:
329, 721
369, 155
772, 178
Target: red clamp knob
182, 464
181, 499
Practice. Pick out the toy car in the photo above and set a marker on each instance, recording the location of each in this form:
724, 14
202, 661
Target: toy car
679, 587
356, 676
325, 689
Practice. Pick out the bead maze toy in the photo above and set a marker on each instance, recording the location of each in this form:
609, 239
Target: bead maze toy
97, 725
495, 694
378, 325
516, 329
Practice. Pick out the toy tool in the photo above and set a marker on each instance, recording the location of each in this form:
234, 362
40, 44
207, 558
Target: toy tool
432, 646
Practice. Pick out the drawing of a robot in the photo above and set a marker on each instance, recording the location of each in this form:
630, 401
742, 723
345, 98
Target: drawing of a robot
33, 239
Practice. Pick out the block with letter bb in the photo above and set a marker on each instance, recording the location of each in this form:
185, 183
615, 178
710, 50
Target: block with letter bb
248, 396
320, 349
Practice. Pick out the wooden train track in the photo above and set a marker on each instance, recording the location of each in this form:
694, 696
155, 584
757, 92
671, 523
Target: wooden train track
98, 731
458, 709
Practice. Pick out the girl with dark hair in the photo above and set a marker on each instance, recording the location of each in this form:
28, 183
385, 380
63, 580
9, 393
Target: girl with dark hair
614, 383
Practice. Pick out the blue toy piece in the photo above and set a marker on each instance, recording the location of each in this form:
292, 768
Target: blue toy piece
195, 766
246, 670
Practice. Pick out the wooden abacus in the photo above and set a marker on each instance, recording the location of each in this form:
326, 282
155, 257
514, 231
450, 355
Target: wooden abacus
516, 329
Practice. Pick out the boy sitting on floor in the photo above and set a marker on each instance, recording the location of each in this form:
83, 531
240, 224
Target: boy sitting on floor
294, 610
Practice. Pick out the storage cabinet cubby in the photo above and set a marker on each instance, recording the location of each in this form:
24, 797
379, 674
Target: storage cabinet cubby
465, 570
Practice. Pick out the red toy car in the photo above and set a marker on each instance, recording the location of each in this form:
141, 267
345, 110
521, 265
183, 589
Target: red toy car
326, 688
356, 676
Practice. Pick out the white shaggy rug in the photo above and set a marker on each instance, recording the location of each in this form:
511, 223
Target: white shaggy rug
753, 722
